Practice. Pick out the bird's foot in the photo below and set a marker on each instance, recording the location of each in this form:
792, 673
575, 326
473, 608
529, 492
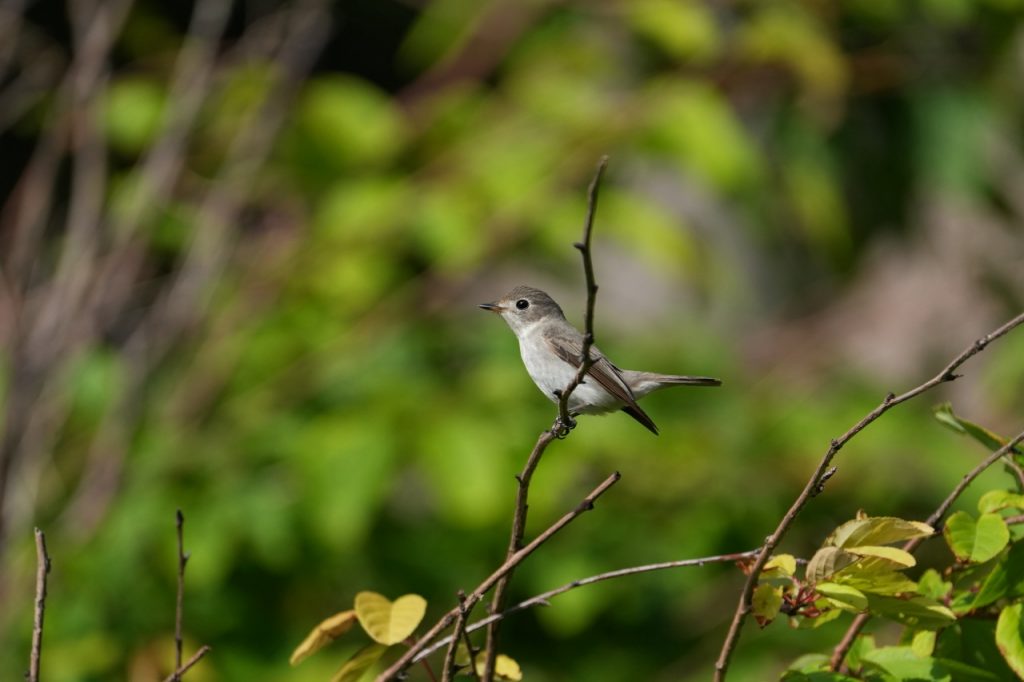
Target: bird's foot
562, 428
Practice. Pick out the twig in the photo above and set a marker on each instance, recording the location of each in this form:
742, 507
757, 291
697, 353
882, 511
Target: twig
744, 606
179, 603
195, 658
839, 653
476, 595
42, 570
557, 430
448, 672
542, 599
588, 319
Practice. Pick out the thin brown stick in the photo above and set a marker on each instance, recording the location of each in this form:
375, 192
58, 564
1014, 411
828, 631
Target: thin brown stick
476, 595
813, 486
841, 649
542, 599
42, 570
448, 672
180, 601
559, 429
195, 658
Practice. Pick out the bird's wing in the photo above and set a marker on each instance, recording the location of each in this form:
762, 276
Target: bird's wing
606, 374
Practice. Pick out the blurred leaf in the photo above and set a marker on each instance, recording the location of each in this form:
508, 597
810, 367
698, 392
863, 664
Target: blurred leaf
359, 663
345, 122
1006, 578
1010, 637
686, 30
923, 643
505, 667
389, 622
931, 584
996, 500
944, 413
976, 541
323, 634
133, 113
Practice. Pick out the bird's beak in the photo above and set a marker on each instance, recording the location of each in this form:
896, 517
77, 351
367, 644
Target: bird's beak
493, 307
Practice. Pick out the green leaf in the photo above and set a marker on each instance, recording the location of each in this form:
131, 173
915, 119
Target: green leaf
360, 662
877, 530
843, 596
1010, 637
827, 561
902, 663
994, 500
976, 541
766, 602
923, 643
1006, 576
891, 583
862, 645
931, 584
919, 612
892, 555
944, 413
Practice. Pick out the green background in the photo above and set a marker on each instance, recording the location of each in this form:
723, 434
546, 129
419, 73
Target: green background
818, 202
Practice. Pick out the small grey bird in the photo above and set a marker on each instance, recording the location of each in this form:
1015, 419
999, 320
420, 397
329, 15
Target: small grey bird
552, 350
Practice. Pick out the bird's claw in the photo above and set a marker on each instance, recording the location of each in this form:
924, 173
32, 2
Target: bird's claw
561, 428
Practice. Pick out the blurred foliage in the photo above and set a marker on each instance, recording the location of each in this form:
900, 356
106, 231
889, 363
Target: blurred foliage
340, 417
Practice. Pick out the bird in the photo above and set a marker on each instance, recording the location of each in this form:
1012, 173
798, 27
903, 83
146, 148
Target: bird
552, 351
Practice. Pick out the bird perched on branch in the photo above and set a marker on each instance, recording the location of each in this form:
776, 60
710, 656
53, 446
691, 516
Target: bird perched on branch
552, 351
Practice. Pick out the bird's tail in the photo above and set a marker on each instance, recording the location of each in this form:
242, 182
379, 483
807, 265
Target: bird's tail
688, 380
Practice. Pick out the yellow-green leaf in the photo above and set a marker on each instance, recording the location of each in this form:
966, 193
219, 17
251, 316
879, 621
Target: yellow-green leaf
893, 554
360, 662
505, 667
917, 611
877, 530
782, 564
827, 561
976, 541
843, 596
994, 500
1010, 637
323, 634
766, 602
389, 622
923, 643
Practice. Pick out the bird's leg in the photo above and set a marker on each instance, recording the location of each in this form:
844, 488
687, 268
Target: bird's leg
562, 428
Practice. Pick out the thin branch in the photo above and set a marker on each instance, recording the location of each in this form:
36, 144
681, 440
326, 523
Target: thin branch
588, 319
811, 488
841, 649
42, 570
195, 658
448, 672
476, 595
543, 598
558, 430
179, 603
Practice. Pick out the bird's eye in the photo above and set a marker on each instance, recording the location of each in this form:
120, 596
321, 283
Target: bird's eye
522, 304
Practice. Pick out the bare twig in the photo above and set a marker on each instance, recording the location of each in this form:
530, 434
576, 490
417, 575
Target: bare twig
744, 606
179, 603
193, 659
542, 599
558, 430
448, 672
42, 570
476, 595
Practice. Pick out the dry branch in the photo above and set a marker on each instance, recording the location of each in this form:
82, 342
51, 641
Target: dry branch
42, 571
